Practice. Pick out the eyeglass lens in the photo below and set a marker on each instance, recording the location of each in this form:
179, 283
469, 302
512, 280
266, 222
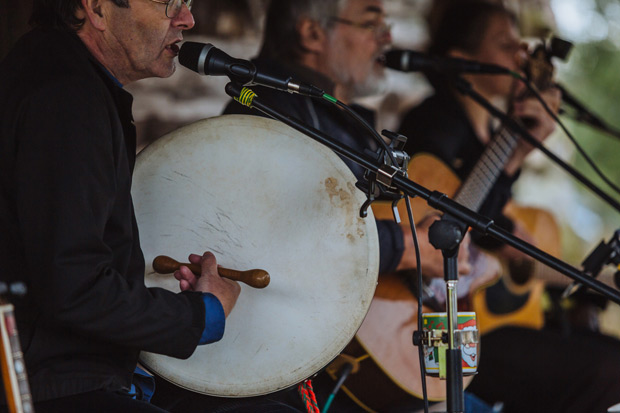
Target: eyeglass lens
174, 7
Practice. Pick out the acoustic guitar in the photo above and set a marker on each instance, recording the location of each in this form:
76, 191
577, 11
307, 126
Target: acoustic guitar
520, 302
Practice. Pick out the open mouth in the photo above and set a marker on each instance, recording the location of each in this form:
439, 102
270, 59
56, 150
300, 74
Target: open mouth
174, 48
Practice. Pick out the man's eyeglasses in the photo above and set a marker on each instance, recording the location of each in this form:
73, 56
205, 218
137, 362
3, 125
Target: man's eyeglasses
378, 29
174, 7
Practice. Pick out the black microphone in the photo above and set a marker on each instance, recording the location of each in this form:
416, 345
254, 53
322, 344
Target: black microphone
206, 59
412, 61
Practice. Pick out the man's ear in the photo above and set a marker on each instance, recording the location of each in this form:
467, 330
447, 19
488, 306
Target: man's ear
311, 35
93, 12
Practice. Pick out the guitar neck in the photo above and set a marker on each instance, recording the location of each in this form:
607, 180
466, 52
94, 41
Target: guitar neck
486, 171
497, 154
14, 374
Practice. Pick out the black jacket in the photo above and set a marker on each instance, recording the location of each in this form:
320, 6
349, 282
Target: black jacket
67, 145
332, 121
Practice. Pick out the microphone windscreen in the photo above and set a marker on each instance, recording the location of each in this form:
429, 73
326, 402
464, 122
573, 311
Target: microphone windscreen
394, 59
192, 55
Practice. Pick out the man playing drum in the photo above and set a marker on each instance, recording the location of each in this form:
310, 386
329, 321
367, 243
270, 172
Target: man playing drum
69, 231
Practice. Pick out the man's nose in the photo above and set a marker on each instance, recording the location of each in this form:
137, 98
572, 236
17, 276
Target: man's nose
185, 19
384, 36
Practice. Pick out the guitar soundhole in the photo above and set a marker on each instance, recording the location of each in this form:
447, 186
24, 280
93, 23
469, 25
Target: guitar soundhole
502, 301
521, 271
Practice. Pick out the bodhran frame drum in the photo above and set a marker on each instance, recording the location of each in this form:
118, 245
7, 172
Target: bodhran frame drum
259, 194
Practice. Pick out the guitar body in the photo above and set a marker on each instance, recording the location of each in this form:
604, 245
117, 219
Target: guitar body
519, 304
539, 224
507, 303
386, 364
430, 172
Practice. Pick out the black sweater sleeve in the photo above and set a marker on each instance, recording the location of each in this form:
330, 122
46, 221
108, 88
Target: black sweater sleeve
76, 221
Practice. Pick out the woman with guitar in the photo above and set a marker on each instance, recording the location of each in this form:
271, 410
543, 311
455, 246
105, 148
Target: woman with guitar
525, 368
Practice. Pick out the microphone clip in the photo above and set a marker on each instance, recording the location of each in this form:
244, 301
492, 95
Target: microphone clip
378, 185
603, 254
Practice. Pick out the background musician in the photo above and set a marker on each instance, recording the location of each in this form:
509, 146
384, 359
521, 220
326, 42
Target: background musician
69, 231
337, 46
526, 369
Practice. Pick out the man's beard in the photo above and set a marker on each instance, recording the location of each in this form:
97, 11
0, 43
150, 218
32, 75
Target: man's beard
375, 83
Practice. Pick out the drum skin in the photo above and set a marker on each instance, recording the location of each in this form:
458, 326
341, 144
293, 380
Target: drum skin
259, 194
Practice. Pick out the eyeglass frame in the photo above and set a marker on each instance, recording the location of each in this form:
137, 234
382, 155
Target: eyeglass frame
377, 29
188, 3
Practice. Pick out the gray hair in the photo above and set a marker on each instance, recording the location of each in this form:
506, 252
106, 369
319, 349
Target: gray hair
281, 40
320, 10
60, 14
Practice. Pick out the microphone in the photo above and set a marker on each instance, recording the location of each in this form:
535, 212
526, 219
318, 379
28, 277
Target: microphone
206, 59
412, 61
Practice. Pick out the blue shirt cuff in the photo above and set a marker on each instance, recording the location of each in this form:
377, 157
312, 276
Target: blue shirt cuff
215, 320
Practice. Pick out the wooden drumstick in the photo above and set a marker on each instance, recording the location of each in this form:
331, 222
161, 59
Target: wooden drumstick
254, 278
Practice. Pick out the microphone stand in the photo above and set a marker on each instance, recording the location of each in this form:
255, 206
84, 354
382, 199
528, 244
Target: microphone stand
446, 234
464, 87
457, 215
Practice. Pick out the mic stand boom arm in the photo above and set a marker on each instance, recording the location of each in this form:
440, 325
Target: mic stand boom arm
435, 199
464, 87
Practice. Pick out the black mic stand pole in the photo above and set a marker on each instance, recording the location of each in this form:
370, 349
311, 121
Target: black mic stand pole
464, 87
446, 235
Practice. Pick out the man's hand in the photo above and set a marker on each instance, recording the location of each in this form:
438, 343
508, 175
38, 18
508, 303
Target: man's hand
227, 291
432, 259
540, 123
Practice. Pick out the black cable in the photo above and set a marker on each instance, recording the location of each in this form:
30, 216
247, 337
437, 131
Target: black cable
418, 259
375, 135
414, 236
